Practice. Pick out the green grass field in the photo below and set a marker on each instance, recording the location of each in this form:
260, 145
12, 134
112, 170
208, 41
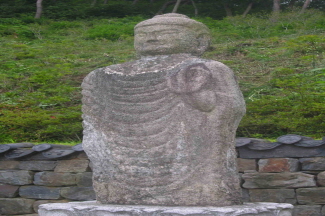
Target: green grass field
279, 62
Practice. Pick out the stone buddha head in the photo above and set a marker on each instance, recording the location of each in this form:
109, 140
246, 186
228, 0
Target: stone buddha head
171, 34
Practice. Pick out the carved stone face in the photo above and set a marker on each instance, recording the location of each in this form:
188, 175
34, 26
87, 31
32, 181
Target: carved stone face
162, 39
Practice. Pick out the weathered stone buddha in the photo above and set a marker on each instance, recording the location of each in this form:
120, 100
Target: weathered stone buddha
160, 130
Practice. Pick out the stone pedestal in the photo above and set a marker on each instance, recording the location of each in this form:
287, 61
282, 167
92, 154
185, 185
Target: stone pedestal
91, 208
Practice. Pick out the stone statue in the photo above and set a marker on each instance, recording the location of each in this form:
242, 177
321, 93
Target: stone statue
160, 130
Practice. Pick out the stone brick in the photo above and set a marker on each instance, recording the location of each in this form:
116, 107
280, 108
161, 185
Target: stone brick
37, 203
245, 195
8, 191
40, 192
311, 196
323, 210
316, 163
12, 206
9, 165
54, 179
37, 165
246, 164
278, 165
321, 179
78, 193
85, 179
72, 166
273, 195
278, 180
307, 210
16, 177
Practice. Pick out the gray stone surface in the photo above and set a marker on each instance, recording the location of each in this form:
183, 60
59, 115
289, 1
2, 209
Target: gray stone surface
16, 177
91, 208
278, 165
9, 165
39, 192
278, 180
311, 196
13, 206
84, 179
8, 191
78, 193
273, 195
161, 130
323, 210
55, 179
307, 210
321, 179
246, 164
283, 151
76, 166
37, 165
316, 163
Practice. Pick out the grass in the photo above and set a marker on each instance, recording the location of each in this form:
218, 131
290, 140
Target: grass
280, 65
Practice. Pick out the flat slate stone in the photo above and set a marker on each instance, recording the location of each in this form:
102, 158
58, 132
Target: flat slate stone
78, 147
321, 179
311, 196
273, 195
37, 203
76, 166
283, 151
21, 145
54, 179
42, 147
8, 191
57, 153
9, 165
242, 141
246, 164
263, 146
307, 210
4, 148
277, 180
289, 139
16, 177
91, 208
78, 193
310, 143
15, 206
315, 163
37, 165
19, 153
39, 192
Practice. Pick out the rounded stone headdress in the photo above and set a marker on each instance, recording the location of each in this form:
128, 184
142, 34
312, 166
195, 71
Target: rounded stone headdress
176, 19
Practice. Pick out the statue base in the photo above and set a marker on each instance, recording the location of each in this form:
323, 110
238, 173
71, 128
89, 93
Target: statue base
92, 208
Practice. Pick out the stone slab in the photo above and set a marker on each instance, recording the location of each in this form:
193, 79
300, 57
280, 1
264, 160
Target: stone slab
316, 163
283, 151
307, 210
16, 177
278, 165
72, 166
8, 191
13, 206
39, 192
311, 196
84, 179
278, 180
321, 179
246, 164
37, 165
273, 195
54, 179
91, 208
78, 193
9, 165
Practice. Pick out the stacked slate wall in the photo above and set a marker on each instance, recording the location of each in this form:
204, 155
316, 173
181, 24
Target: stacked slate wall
270, 172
